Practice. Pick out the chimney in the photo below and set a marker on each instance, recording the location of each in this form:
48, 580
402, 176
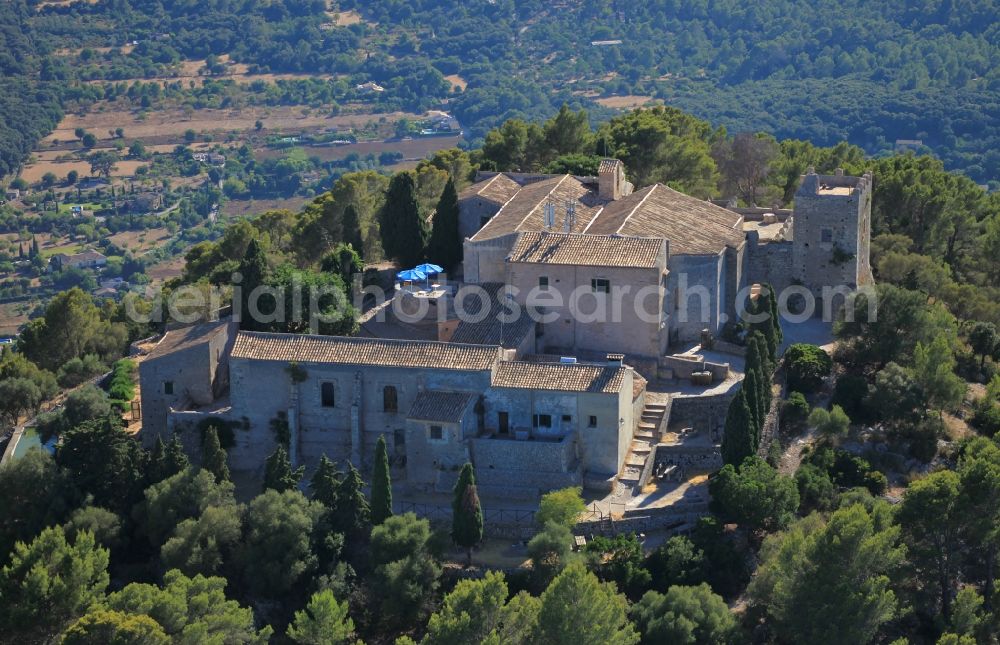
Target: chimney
616, 360
611, 179
839, 172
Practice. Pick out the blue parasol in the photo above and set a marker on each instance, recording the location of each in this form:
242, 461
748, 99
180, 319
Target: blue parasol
429, 269
411, 275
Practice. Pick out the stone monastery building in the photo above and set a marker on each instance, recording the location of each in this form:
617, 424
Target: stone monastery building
534, 405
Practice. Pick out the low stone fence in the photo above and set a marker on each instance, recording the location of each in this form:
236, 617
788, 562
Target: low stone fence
683, 366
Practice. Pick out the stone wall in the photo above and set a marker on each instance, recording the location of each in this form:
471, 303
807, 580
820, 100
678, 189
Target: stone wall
473, 213
486, 260
771, 262
703, 413
697, 294
601, 322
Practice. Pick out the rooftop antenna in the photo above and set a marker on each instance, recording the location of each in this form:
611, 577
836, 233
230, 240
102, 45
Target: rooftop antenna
570, 220
550, 215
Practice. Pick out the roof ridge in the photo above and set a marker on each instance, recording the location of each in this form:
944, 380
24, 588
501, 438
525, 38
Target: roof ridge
359, 339
634, 210
540, 202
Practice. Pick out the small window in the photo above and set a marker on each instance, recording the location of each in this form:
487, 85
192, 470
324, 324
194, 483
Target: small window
390, 400
600, 285
436, 432
592, 421
826, 236
168, 387
327, 395
543, 282
399, 438
542, 420
567, 418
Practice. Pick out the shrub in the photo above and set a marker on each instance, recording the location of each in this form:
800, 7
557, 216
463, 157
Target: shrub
794, 412
806, 366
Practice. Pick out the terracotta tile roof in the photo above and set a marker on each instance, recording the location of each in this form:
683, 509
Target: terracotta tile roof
498, 188
488, 331
176, 340
691, 225
363, 351
590, 250
558, 377
608, 165
446, 407
525, 211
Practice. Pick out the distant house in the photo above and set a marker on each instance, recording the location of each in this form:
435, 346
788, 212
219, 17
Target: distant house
91, 182
146, 202
217, 160
84, 260
200, 157
12, 193
371, 87
605, 43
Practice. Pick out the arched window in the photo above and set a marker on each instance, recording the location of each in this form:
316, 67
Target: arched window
390, 400
327, 395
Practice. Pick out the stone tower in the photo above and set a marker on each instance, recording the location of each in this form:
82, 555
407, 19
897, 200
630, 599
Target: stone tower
832, 231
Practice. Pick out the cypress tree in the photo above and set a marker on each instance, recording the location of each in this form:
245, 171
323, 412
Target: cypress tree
352, 229
446, 243
278, 473
466, 512
253, 269
381, 484
751, 388
404, 230
20, 251
353, 513
213, 456
738, 440
156, 461
175, 459
772, 301
324, 483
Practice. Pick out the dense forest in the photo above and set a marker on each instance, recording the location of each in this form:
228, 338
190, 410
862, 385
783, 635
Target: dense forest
869, 73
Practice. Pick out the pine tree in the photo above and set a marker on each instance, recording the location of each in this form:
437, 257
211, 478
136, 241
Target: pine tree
446, 242
381, 484
324, 483
353, 513
278, 473
253, 269
738, 440
352, 229
466, 512
213, 457
404, 230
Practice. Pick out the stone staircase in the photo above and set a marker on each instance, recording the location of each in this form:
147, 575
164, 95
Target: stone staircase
647, 435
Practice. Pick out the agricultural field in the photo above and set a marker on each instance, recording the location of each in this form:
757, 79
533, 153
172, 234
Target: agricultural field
13, 315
